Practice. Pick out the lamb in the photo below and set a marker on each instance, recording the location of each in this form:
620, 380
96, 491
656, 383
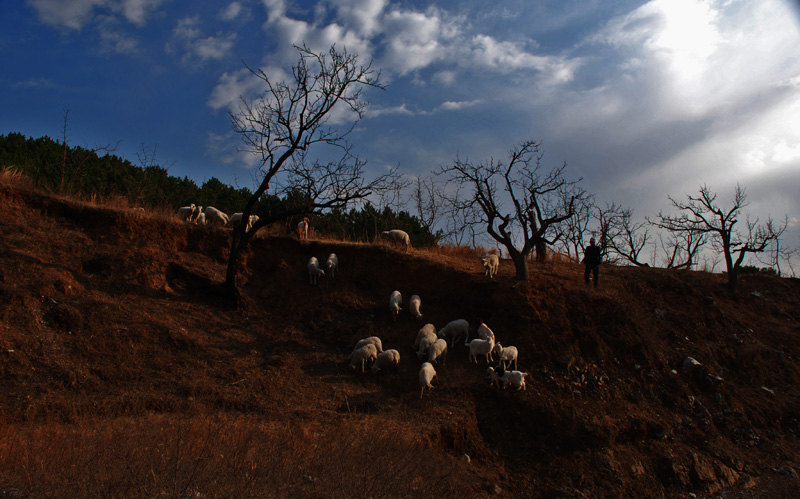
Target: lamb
236, 218
314, 272
215, 216
395, 299
424, 331
438, 351
480, 347
491, 263
185, 212
372, 340
367, 353
454, 330
414, 304
425, 343
398, 237
426, 375
332, 264
506, 355
515, 378
302, 229
388, 360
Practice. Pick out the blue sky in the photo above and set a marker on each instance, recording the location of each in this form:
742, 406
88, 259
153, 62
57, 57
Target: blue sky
641, 99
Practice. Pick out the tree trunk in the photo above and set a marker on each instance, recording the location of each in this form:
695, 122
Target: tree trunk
520, 264
233, 262
541, 251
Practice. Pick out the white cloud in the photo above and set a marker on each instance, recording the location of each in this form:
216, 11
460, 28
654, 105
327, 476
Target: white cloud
375, 111
231, 87
456, 106
361, 16
75, 14
232, 11
196, 47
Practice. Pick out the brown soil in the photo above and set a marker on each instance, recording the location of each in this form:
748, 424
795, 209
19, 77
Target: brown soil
111, 326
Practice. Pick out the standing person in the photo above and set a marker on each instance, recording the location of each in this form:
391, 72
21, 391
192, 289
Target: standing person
592, 260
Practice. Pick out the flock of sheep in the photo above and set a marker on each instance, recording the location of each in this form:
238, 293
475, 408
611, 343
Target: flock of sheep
432, 346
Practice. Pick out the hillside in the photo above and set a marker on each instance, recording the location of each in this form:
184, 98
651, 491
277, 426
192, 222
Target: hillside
124, 374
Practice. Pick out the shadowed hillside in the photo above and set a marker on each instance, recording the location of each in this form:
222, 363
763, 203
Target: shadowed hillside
123, 374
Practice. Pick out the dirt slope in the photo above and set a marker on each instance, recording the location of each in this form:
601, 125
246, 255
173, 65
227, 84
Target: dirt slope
108, 315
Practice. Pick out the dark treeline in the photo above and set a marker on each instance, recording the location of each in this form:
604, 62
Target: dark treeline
83, 172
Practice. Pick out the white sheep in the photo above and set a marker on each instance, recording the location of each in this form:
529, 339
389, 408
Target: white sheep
332, 264
302, 229
514, 378
196, 211
484, 332
426, 375
480, 347
215, 216
424, 331
200, 219
398, 237
372, 340
506, 355
425, 344
414, 306
237, 218
491, 263
185, 212
438, 351
360, 357
395, 299
454, 331
388, 360
314, 272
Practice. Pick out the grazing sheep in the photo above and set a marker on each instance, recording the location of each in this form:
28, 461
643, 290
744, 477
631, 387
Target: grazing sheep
372, 340
215, 216
425, 344
438, 351
397, 236
237, 218
514, 378
302, 229
395, 299
414, 305
426, 375
196, 212
506, 355
484, 332
480, 347
388, 360
367, 353
332, 264
314, 272
454, 331
424, 331
491, 263
185, 212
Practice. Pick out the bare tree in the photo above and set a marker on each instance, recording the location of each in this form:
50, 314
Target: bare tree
428, 200
575, 228
624, 236
681, 249
539, 200
702, 215
281, 125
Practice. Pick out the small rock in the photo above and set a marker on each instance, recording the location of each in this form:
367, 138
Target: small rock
756, 294
497, 489
690, 364
466, 458
768, 391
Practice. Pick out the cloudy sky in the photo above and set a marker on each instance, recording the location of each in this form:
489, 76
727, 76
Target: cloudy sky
641, 99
